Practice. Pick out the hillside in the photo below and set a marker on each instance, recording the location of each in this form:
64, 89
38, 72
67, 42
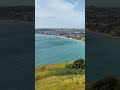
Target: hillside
58, 77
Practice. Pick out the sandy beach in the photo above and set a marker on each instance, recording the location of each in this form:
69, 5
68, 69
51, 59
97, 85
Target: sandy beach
66, 38
72, 39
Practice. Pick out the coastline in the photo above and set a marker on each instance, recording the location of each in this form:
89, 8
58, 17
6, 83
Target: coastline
82, 41
106, 35
72, 40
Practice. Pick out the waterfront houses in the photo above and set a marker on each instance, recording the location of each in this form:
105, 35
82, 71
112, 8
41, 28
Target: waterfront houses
78, 34
103, 19
21, 13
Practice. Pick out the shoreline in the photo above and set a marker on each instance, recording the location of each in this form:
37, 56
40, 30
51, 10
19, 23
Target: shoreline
58, 63
72, 39
79, 41
82, 41
55, 64
106, 35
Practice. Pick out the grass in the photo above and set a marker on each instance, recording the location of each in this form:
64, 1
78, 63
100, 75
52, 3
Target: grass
55, 77
70, 82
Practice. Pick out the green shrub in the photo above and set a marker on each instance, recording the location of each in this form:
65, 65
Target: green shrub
65, 71
78, 64
108, 83
77, 67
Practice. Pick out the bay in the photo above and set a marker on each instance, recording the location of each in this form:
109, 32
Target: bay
54, 49
102, 56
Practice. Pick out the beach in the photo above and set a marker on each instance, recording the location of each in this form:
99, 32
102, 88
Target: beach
72, 39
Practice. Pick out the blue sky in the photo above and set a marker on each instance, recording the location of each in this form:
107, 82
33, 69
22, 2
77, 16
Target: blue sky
59, 14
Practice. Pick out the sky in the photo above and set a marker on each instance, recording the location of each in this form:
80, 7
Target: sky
60, 14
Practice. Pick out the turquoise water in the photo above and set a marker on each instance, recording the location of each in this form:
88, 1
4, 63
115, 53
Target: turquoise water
53, 49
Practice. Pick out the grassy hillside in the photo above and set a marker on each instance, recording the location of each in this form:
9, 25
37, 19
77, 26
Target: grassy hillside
59, 77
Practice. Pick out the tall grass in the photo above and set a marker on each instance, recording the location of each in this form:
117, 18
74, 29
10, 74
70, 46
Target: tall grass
63, 76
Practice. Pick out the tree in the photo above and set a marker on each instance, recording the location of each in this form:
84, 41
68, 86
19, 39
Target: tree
78, 64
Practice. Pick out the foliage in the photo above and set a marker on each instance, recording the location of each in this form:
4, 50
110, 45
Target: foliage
60, 77
117, 32
78, 64
65, 71
108, 83
74, 68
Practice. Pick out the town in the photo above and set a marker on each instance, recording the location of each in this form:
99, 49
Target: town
103, 20
78, 34
20, 13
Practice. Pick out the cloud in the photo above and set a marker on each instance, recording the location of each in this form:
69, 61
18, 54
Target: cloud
59, 13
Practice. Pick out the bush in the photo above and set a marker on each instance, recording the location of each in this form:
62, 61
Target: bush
77, 67
108, 83
78, 64
64, 71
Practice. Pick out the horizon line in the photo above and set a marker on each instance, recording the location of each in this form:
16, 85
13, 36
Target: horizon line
59, 28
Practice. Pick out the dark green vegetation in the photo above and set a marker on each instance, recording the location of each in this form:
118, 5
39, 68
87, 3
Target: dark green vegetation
77, 67
78, 64
117, 33
108, 83
61, 76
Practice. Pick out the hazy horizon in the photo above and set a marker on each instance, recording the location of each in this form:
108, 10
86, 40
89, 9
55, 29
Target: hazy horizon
59, 28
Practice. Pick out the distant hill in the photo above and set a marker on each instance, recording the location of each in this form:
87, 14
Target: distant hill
23, 13
56, 29
104, 20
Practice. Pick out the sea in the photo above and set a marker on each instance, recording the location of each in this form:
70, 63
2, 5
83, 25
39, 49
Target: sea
55, 49
102, 57
17, 54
